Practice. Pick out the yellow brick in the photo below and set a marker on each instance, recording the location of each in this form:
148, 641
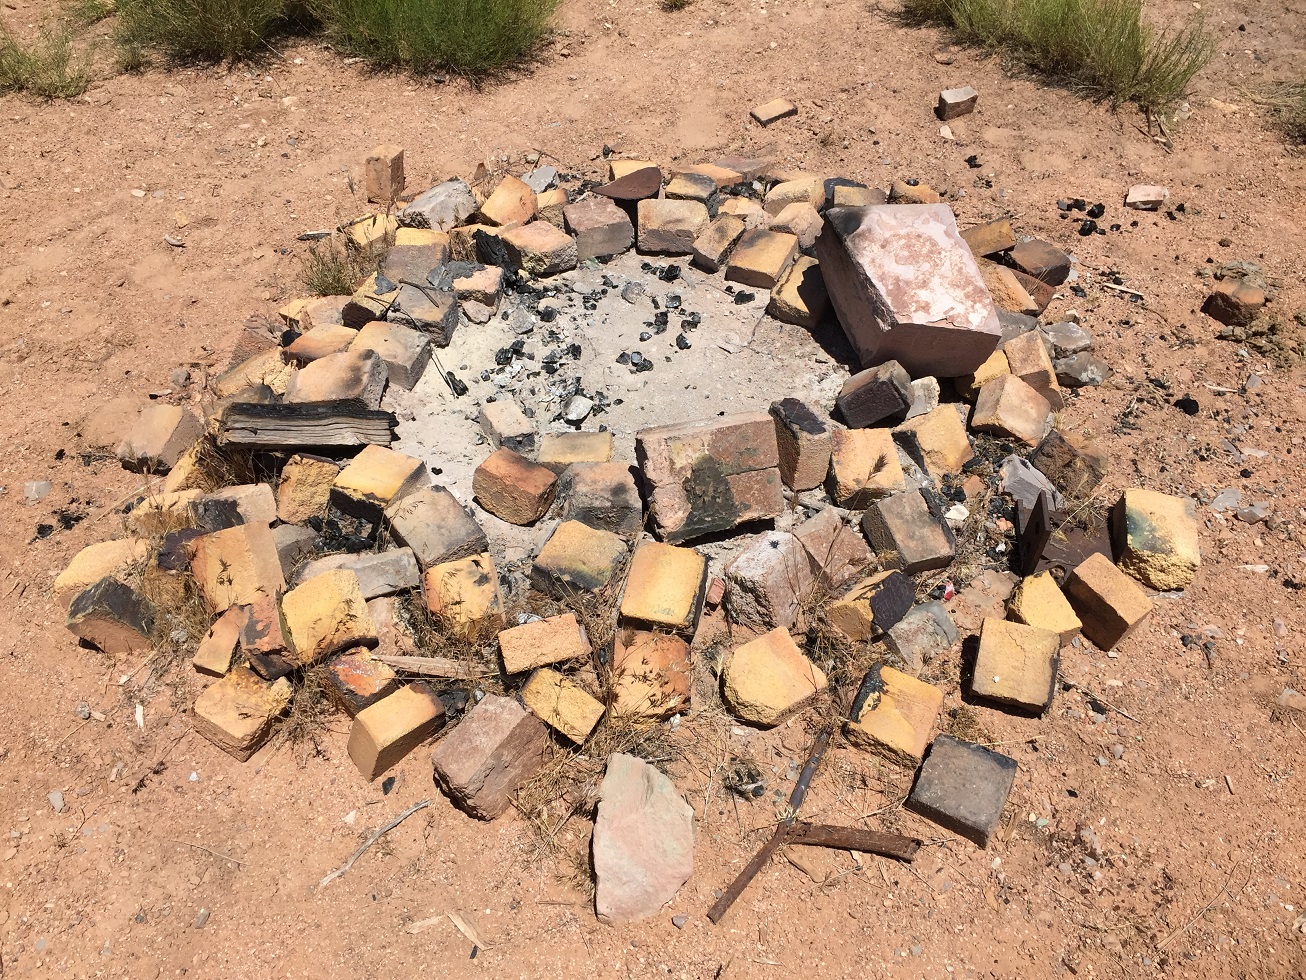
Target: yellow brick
621, 168
664, 588
1040, 602
97, 561
291, 311
651, 674
937, 441
422, 236
1109, 603
897, 718
512, 202
1016, 665
370, 230
232, 566
236, 712
375, 477
1156, 538
543, 642
968, 386
385, 732
761, 258
558, 450
872, 606
304, 490
188, 473
562, 704
863, 467
327, 614
160, 513
218, 647
464, 595
265, 368
767, 679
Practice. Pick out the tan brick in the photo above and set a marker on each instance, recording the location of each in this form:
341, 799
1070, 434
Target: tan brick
374, 478
1017, 665
1009, 407
438, 528
265, 368
383, 173
505, 424
463, 245
248, 503
394, 636
513, 202
1234, 302
549, 207
577, 559
602, 495
217, 648
540, 249
601, 228
371, 231
651, 674
713, 246
318, 342
722, 176
846, 196
496, 748
367, 303
664, 589
324, 311
423, 236
112, 617
514, 489
800, 298
954, 102
543, 642
304, 490
1109, 604
872, 607
936, 441
803, 440
1043, 261
236, 713
805, 190
290, 312
897, 717
464, 595
481, 286
691, 187
190, 471
990, 238
1006, 289
1039, 601
106, 559
801, 220
384, 732
836, 551
380, 573
901, 192
562, 704
354, 374
747, 210
159, 436
1074, 465
405, 351
969, 385
1027, 359
160, 513
761, 258
558, 450
863, 467
624, 168
908, 533
232, 566
766, 680
1156, 538
669, 227
326, 615
773, 111
355, 680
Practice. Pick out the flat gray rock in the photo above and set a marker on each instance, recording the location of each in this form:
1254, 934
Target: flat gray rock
963, 787
443, 207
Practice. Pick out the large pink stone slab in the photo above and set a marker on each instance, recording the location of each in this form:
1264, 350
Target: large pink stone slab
906, 288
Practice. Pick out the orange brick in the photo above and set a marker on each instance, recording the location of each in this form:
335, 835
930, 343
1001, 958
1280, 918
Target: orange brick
384, 732
464, 595
233, 566
897, 716
1009, 407
664, 589
651, 674
767, 679
543, 642
327, 614
513, 202
514, 489
1108, 602
236, 713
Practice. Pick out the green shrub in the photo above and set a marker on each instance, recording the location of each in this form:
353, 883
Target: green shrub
1103, 46
87, 12
330, 270
50, 67
468, 37
210, 30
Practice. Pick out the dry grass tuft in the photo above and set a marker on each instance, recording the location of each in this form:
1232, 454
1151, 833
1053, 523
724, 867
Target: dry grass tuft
50, 67
301, 728
330, 269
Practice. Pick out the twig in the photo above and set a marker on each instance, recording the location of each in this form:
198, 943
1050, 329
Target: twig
1102, 701
427, 666
200, 847
376, 836
1121, 289
1224, 889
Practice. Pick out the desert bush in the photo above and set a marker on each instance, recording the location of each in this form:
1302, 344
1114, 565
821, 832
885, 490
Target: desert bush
468, 37
50, 67
209, 30
1103, 46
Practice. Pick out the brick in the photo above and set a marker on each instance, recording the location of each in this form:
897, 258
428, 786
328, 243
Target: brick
617, 169
773, 111
835, 551
475, 243
874, 395
968, 386
849, 196
105, 559
514, 489
294, 545
1234, 302
412, 263
113, 617
562, 704
264, 639
540, 249
290, 312
324, 311
558, 450
232, 566
266, 368
190, 471
769, 581
496, 748
1009, 407
394, 637
1045, 262
604, 496
872, 606
906, 288
405, 351
936, 442
803, 441
723, 177
802, 221
159, 437
748, 168
1027, 359
908, 533
326, 615
1039, 601
160, 513
1109, 603
304, 490
651, 674
664, 589
375, 478
1016, 666
318, 342
542, 642
433, 312
1147, 197
761, 258
577, 559
669, 227
245, 504
747, 210
357, 375
549, 205
504, 424
990, 238
513, 201
896, 717
863, 467
384, 732
443, 207
370, 231
383, 173
354, 680
435, 526
1155, 537
423, 236
1006, 289
768, 679
379, 573
800, 298
693, 187
601, 228
1074, 465
901, 192
217, 648
924, 633
963, 788
638, 184
464, 595
236, 713
804, 190
481, 285
713, 246
954, 102
711, 475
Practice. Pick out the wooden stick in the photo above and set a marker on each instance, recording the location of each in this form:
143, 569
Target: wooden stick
427, 666
216, 854
1121, 289
372, 840
722, 905
855, 839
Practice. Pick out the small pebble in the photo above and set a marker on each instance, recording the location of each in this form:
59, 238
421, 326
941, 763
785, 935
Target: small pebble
201, 918
83, 711
679, 921
56, 801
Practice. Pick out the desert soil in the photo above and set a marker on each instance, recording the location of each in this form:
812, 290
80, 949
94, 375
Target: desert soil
171, 859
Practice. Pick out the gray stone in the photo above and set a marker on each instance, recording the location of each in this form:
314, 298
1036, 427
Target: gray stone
1014, 324
380, 573
505, 424
432, 311
603, 496
435, 526
924, 397
476, 312
1081, 370
578, 408
294, 544
643, 841
963, 787
874, 395
921, 635
541, 178
1066, 338
954, 102
1023, 483
34, 491
443, 207
56, 801
1254, 514
1228, 499
488, 755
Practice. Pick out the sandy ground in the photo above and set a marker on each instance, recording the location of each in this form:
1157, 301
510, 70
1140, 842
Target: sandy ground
170, 858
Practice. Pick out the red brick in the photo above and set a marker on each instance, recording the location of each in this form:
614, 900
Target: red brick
514, 489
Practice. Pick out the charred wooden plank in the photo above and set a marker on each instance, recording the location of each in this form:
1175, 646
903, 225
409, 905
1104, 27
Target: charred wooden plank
331, 428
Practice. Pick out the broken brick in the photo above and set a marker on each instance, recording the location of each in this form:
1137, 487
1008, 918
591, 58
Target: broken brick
383, 173
1027, 359
990, 238
505, 424
835, 550
358, 375
512, 202
252, 503
482, 762
217, 648
1039, 601
1155, 538
105, 559
1046, 263
896, 717
318, 342
304, 490
805, 190
577, 559
464, 595
769, 581
761, 258
664, 589
1109, 603
514, 489
355, 680
604, 496
230, 567
954, 102
113, 617
540, 249
159, 436
766, 680
374, 479
800, 298
327, 614
923, 634
803, 441
878, 393
651, 674
380, 573
863, 466
773, 111
558, 450
872, 606
713, 246
236, 712
562, 704
435, 526
908, 533
542, 642
1074, 465
404, 351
